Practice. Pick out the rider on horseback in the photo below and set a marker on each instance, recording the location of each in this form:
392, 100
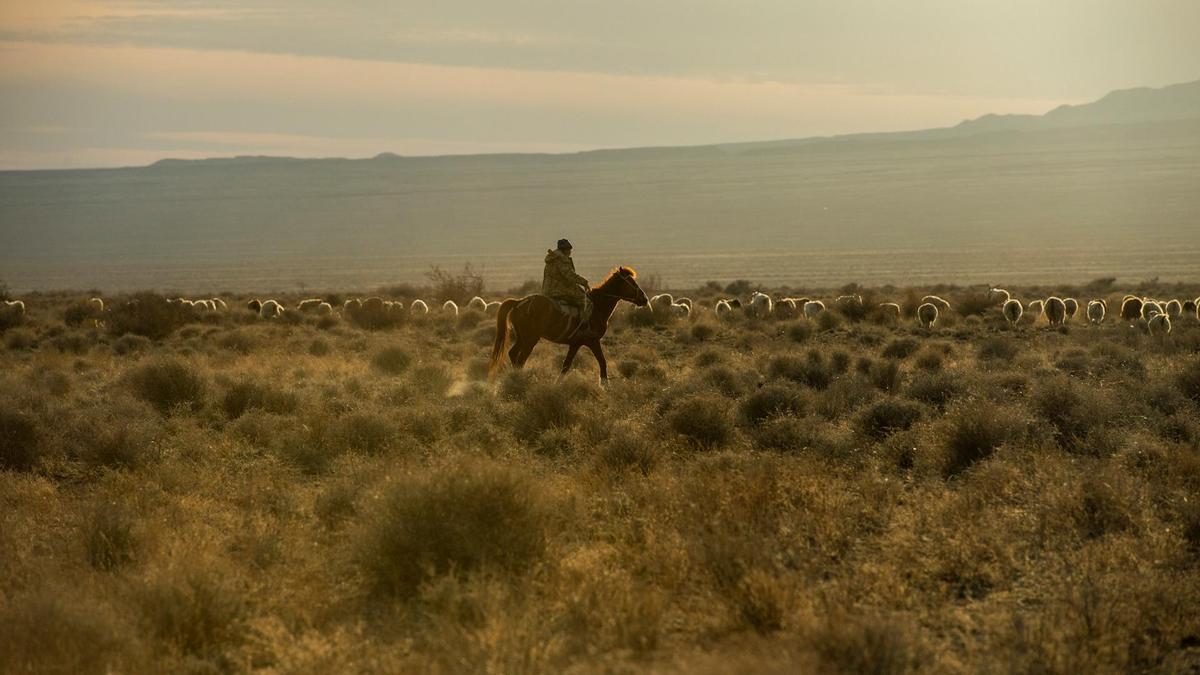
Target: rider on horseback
562, 284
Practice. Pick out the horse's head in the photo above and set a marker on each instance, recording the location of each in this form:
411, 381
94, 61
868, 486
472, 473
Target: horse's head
622, 283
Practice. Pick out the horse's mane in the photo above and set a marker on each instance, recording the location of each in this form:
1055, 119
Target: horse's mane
616, 272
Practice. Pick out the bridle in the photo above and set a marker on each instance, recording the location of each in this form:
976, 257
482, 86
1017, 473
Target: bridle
605, 294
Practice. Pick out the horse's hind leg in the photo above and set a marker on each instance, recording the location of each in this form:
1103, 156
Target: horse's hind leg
525, 348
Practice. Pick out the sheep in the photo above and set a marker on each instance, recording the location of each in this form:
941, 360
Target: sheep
941, 304
812, 308
1012, 310
351, 306
219, 304
787, 308
254, 305
1174, 309
927, 314
477, 304
418, 307
722, 308
760, 304
1034, 309
684, 301
1159, 324
325, 309
1095, 311
661, 302
1072, 306
15, 306
848, 300
1056, 310
890, 310
492, 308
682, 311
1131, 308
96, 305
1189, 307
999, 296
270, 310
1151, 309
395, 309
735, 303
309, 305
450, 307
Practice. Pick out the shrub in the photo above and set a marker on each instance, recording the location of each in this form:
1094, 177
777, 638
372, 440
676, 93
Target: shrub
703, 420
78, 312
319, 348
239, 341
1188, 380
391, 360
974, 303
20, 338
930, 361
900, 348
131, 344
546, 406
47, 630
974, 433
73, 342
336, 504
827, 321
799, 332
250, 395
936, 389
463, 519
193, 609
433, 379
785, 434
145, 314
702, 331
108, 535
725, 380
887, 417
116, 440
771, 401
811, 371
366, 432
998, 349
168, 384
20, 446
885, 375
459, 287
627, 450
1073, 410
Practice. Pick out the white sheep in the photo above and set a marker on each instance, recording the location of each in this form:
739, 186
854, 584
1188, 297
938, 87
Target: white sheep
1151, 309
395, 309
812, 308
927, 314
15, 306
492, 307
1034, 309
684, 301
1131, 308
661, 302
450, 307
682, 311
760, 305
1174, 309
1189, 307
309, 305
891, 310
999, 296
419, 307
722, 308
1159, 324
220, 304
96, 305
941, 303
1096, 309
848, 300
271, 309
351, 306
325, 309
477, 304
1072, 306
1012, 310
787, 308
254, 305
1056, 310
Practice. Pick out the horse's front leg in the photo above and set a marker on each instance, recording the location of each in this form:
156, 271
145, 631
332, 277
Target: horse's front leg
571, 352
598, 351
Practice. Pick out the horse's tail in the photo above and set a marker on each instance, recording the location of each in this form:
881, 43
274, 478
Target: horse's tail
501, 344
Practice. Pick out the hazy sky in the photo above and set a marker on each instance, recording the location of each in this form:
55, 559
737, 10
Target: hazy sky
103, 83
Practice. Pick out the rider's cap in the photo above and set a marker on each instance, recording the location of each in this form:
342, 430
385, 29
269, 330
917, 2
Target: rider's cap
563, 244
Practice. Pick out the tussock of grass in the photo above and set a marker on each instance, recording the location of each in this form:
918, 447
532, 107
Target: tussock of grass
168, 384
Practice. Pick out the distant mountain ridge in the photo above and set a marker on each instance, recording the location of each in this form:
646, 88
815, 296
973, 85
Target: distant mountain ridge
1138, 105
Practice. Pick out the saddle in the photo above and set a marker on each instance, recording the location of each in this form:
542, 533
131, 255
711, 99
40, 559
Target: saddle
575, 316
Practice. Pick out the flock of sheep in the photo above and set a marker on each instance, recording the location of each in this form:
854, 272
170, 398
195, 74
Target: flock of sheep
270, 309
1157, 315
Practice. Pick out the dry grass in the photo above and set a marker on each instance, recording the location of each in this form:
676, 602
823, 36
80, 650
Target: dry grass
223, 494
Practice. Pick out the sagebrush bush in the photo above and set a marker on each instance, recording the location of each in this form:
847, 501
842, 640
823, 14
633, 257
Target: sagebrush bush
800, 332
391, 360
366, 432
241, 341
131, 344
195, 609
253, 395
145, 314
725, 380
1188, 380
885, 375
471, 517
975, 432
887, 417
168, 384
771, 401
20, 338
1073, 410
46, 629
20, 439
108, 534
900, 348
936, 389
628, 449
704, 420
432, 379
811, 370
998, 348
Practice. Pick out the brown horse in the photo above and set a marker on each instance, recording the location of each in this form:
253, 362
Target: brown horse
535, 317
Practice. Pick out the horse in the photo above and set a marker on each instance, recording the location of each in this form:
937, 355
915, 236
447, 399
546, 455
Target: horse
537, 317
